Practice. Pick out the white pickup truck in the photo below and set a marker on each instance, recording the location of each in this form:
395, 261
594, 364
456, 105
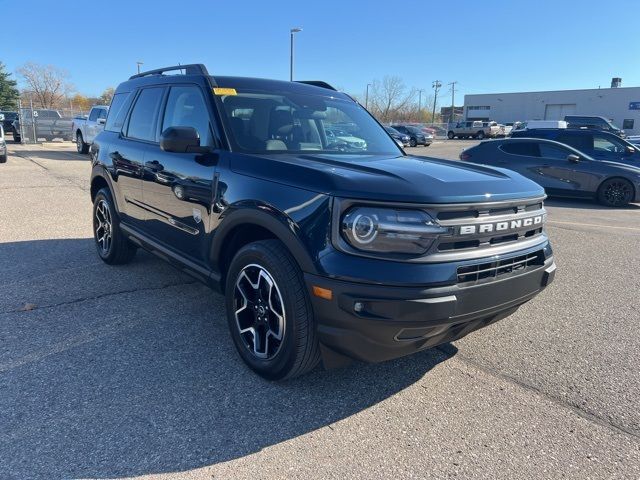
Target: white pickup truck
86, 127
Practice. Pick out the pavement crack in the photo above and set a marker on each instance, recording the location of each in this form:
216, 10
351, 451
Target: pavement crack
97, 297
556, 400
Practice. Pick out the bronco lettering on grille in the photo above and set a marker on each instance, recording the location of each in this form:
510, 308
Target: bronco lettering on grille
504, 226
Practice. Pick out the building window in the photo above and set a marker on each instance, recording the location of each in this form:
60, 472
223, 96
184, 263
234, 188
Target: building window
477, 107
627, 124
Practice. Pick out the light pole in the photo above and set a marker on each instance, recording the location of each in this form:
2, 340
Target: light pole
436, 85
420, 103
138, 64
366, 98
293, 32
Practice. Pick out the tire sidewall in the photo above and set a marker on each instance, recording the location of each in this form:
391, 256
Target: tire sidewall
277, 367
603, 200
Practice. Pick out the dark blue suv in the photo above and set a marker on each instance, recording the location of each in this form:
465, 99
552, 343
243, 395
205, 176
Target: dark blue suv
324, 250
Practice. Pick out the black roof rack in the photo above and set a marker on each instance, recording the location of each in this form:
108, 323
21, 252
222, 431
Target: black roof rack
191, 69
317, 83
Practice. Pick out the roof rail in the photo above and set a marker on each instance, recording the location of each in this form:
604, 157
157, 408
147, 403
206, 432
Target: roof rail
317, 83
190, 69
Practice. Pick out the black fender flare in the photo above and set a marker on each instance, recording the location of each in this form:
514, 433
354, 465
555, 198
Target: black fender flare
101, 172
269, 218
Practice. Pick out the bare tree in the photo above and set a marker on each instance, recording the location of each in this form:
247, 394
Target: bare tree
389, 98
107, 95
46, 84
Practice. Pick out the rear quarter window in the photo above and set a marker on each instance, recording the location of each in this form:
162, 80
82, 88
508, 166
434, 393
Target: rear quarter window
118, 111
526, 149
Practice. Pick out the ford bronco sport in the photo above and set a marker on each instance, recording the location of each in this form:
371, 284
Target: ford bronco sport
323, 250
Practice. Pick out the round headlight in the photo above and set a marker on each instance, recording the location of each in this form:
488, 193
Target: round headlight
364, 228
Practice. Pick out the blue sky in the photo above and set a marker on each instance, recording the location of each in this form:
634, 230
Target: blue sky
497, 47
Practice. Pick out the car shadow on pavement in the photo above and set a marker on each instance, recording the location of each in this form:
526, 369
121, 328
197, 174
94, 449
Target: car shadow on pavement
147, 381
51, 154
585, 204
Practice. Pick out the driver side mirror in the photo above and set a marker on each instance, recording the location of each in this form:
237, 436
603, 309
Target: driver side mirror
630, 150
102, 121
573, 158
180, 140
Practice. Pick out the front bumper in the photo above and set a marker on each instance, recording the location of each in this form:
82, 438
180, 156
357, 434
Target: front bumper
393, 321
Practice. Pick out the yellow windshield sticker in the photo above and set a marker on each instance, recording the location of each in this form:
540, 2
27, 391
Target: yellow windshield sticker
224, 91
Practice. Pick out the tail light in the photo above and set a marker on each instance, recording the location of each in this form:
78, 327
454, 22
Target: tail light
465, 156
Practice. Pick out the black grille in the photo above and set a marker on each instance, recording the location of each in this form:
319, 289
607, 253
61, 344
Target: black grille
488, 271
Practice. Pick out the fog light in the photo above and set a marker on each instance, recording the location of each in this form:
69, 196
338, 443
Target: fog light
358, 307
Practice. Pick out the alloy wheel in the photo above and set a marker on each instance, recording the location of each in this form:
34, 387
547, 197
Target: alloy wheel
103, 226
259, 311
618, 193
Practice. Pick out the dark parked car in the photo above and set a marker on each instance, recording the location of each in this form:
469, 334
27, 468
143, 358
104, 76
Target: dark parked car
396, 135
595, 143
9, 117
321, 252
416, 136
593, 122
560, 169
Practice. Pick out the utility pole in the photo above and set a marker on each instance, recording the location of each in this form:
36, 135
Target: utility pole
420, 102
436, 85
366, 98
453, 101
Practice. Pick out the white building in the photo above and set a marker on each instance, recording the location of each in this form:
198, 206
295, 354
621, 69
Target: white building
621, 105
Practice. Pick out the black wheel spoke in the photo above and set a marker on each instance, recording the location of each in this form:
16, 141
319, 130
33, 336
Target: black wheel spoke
259, 312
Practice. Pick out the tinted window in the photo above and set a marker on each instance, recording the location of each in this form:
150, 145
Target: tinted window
102, 113
529, 149
186, 108
142, 122
117, 114
552, 151
93, 116
584, 143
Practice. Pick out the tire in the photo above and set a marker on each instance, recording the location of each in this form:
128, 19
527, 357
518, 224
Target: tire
480, 135
16, 137
3, 159
615, 192
263, 278
113, 247
81, 147
450, 135
413, 142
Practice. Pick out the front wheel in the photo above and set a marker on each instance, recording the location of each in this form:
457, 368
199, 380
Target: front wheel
450, 135
269, 312
112, 245
413, 142
480, 135
3, 158
80, 145
615, 192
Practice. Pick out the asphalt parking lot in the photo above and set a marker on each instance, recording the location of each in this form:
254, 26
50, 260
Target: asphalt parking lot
112, 372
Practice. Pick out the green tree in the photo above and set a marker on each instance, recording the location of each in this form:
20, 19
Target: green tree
8, 92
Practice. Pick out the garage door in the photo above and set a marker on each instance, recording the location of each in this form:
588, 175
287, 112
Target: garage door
557, 111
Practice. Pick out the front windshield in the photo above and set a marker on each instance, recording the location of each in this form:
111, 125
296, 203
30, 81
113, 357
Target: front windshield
289, 122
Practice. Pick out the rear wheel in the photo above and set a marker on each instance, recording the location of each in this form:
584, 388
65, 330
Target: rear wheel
269, 312
450, 135
413, 142
80, 145
3, 158
615, 192
16, 136
112, 245
480, 135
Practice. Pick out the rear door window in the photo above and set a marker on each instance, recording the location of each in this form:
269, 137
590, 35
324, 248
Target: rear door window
143, 120
526, 149
117, 112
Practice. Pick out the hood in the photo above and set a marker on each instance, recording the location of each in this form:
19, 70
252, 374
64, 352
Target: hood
394, 178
